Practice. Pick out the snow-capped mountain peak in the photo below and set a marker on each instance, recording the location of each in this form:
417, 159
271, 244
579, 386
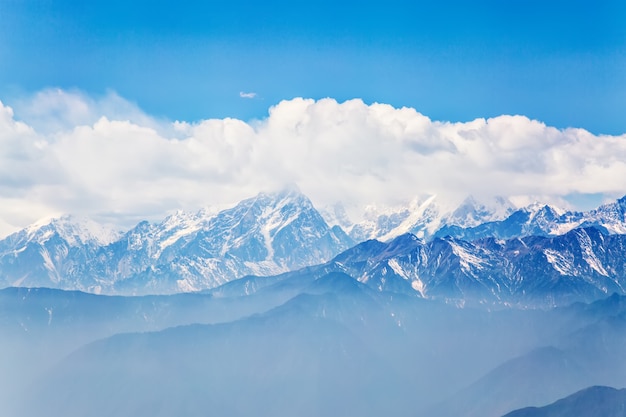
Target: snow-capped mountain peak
187, 251
424, 216
423, 219
75, 230
611, 215
546, 220
472, 212
273, 233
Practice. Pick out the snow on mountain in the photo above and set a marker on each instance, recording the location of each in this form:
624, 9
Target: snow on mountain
178, 226
581, 265
151, 239
264, 235
422, 216
49, 252
74, 230
544, 220
459, 249
336, 215
612, 216
535, 219
431, 216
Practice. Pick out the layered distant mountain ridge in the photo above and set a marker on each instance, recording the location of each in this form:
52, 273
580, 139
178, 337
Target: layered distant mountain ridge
474, 253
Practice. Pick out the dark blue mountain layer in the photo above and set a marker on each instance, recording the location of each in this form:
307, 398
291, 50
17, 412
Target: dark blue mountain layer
590, 402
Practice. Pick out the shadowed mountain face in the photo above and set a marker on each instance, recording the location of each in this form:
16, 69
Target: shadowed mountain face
591, 402
537, 272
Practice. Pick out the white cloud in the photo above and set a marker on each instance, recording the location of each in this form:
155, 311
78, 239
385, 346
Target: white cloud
53, 110
247, 95
65, 152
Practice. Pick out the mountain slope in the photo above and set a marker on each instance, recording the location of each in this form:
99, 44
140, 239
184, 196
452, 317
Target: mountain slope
582, 265
535, 378
285, 362
265, 235
589, 352
590, 402
53, 253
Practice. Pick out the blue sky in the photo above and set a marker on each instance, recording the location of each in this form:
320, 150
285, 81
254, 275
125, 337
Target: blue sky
350, 101
561, 62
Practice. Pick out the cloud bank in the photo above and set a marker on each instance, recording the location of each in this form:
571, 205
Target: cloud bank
64, 152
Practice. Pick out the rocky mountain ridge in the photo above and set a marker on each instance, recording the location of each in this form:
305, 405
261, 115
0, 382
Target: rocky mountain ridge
461, 255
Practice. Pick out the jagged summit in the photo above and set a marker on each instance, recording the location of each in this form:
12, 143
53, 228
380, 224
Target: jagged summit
472, 212
424, 216
75, 230
534, 271
188, 251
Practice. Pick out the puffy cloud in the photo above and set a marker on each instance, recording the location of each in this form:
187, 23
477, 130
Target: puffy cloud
66, 152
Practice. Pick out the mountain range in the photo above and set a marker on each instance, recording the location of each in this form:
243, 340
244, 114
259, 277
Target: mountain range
264, 235
536, 271
267, 309
471, 254
544, 220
